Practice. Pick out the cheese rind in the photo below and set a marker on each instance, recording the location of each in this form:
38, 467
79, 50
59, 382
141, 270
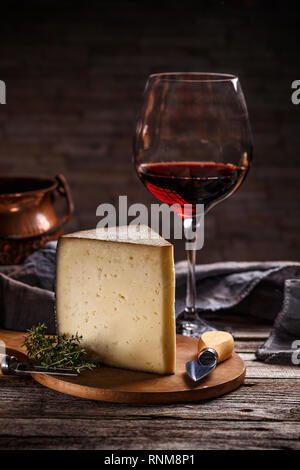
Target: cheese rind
119, 295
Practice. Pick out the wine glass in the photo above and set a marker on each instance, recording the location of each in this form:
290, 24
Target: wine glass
192, 146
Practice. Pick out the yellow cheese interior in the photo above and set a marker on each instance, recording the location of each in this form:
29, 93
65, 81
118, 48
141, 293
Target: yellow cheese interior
119, 296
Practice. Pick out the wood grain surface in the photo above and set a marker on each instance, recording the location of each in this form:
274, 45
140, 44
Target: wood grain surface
125, 386
264, 413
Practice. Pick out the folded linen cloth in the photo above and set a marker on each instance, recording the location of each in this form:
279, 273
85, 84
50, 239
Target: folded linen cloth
258, 289
268, 290
27, 291
282, 345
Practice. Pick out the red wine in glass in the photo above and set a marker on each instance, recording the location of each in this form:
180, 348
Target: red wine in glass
192, 146
191, 183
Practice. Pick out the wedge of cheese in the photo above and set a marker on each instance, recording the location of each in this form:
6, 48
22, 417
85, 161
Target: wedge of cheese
116, 288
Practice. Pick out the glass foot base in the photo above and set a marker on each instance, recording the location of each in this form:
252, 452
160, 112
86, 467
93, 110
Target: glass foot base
192, 325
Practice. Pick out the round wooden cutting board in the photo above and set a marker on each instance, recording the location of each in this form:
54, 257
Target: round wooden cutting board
125, 386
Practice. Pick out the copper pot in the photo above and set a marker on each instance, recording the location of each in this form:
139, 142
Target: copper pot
27, 214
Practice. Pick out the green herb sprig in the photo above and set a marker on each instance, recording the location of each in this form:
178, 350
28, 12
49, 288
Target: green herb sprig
56, 351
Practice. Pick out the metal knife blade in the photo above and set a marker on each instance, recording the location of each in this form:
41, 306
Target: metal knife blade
204, 365
10, 365
22, 368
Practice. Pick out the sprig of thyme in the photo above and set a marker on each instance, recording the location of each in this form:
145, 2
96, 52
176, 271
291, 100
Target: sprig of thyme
56, 351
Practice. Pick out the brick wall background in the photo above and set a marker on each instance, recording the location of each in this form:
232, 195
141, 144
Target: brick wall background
75, 75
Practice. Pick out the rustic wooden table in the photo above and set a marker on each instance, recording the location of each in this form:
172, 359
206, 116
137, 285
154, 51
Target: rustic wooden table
262, 414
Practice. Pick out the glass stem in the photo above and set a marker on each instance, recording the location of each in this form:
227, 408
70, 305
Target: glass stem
190, 229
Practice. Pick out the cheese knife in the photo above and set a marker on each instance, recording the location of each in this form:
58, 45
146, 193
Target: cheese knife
9, 365
213, 347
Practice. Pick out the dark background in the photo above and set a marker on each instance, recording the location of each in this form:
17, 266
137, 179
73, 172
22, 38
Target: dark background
75, 73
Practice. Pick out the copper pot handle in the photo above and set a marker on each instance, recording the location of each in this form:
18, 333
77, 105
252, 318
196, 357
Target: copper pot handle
64, 190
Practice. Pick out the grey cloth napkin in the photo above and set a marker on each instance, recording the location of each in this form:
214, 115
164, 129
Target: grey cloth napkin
282, 345
27, 291
266, 290
269, 291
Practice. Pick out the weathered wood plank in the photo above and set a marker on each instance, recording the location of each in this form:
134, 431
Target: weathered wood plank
252, 335
262, 414
150, 434
272, 372
256, 400
246, 346
243, 328
257, 369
